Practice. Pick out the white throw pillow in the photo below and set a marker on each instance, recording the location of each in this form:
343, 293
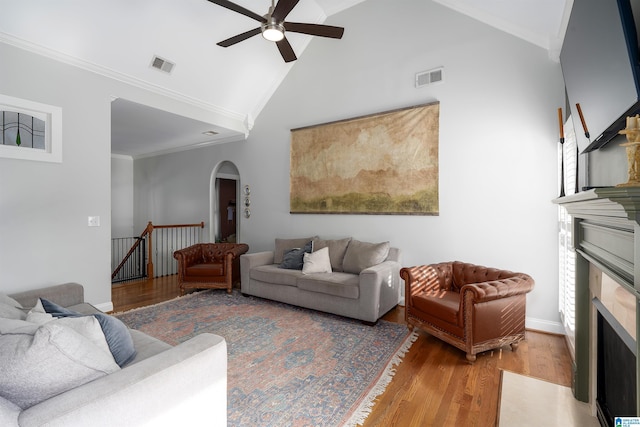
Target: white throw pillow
87, 326
9, 311
37, 314
9, 412
317, 262
10, 308
6, 299
41, 361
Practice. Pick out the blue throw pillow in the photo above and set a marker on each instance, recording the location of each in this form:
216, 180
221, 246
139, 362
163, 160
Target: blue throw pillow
293, 259
56, 310
117, 334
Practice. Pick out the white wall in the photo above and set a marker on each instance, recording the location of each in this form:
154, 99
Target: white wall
44, 236
122, 197
174, 188
498, 144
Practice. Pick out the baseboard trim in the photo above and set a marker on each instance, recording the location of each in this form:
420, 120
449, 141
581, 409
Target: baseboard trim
544, 326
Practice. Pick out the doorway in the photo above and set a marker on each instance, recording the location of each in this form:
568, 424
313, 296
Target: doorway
227, 191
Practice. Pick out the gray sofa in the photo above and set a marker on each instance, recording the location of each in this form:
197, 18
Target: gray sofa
162, 385
363, 282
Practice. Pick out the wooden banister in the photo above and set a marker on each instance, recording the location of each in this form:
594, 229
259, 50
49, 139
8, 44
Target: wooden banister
201, 225
148, 232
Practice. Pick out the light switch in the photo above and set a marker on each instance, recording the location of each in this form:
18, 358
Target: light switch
94, 221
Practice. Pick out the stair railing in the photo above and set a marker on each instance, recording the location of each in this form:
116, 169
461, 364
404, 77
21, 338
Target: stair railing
168, 239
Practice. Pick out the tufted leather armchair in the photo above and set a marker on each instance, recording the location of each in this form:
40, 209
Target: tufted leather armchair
209, 265
471, 307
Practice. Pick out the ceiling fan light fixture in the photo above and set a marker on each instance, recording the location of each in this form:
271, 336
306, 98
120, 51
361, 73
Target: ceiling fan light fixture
272, 26
272, 31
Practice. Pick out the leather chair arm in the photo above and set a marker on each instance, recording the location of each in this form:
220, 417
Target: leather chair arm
219, 252
503, 288
414, 279
426, 277
237, 250
188, 256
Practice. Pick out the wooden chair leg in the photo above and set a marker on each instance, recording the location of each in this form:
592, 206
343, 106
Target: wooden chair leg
471, 357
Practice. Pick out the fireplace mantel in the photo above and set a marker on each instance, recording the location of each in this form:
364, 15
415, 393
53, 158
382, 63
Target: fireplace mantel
606, 233
606, 202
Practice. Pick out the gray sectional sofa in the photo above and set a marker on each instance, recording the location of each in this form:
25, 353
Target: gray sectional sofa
161, 385
362, 282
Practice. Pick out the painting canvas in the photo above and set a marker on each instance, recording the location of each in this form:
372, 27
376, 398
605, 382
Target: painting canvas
385, 163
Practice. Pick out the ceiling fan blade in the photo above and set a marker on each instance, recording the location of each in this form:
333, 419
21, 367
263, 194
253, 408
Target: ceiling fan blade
282, 9
315, 29
236, 8
286, 50
240, 37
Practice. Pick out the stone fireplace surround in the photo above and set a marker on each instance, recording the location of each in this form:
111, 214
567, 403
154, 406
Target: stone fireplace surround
606, 238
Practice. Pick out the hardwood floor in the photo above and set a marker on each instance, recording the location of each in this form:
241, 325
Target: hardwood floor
434, 385
128, 295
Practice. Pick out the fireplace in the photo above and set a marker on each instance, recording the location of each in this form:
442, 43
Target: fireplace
616, 369
606, 240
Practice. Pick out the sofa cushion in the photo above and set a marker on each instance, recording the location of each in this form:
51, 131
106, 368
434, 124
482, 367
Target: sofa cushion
206, 269
38, 315
339, 284
282, 245
361, 255
9, 311
10, 308
56, 310
439, 303
41, 361
6, 299
272, 273
146, 346
116, 333
87, 326
317, 262
293, 258
9, 413
337, 249
83, 308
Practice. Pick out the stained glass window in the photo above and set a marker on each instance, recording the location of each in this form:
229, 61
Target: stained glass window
22, 130
30, 130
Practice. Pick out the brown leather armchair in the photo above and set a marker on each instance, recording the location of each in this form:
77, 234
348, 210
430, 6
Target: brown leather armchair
209, 265
471, 307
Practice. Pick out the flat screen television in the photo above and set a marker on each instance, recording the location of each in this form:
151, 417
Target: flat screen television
600, 65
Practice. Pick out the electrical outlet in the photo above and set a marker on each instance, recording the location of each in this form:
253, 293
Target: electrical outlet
94, 221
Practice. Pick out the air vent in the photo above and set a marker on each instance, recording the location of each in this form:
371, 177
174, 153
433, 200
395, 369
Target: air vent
162, 64
425, 78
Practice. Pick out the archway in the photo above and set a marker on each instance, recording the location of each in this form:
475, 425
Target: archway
224, 197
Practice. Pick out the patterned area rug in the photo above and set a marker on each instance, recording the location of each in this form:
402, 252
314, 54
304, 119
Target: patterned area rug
287, 366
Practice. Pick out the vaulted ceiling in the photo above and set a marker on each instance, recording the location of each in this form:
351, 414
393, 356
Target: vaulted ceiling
120, 38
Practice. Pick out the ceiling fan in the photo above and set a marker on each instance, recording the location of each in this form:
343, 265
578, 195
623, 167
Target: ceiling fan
273, 26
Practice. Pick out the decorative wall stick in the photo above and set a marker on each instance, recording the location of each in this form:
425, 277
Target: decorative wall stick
584, 124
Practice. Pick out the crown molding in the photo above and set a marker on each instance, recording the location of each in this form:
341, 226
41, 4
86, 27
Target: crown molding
222, 140
238, 119
121, 156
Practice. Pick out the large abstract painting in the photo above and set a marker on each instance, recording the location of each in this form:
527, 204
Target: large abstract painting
385, 163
